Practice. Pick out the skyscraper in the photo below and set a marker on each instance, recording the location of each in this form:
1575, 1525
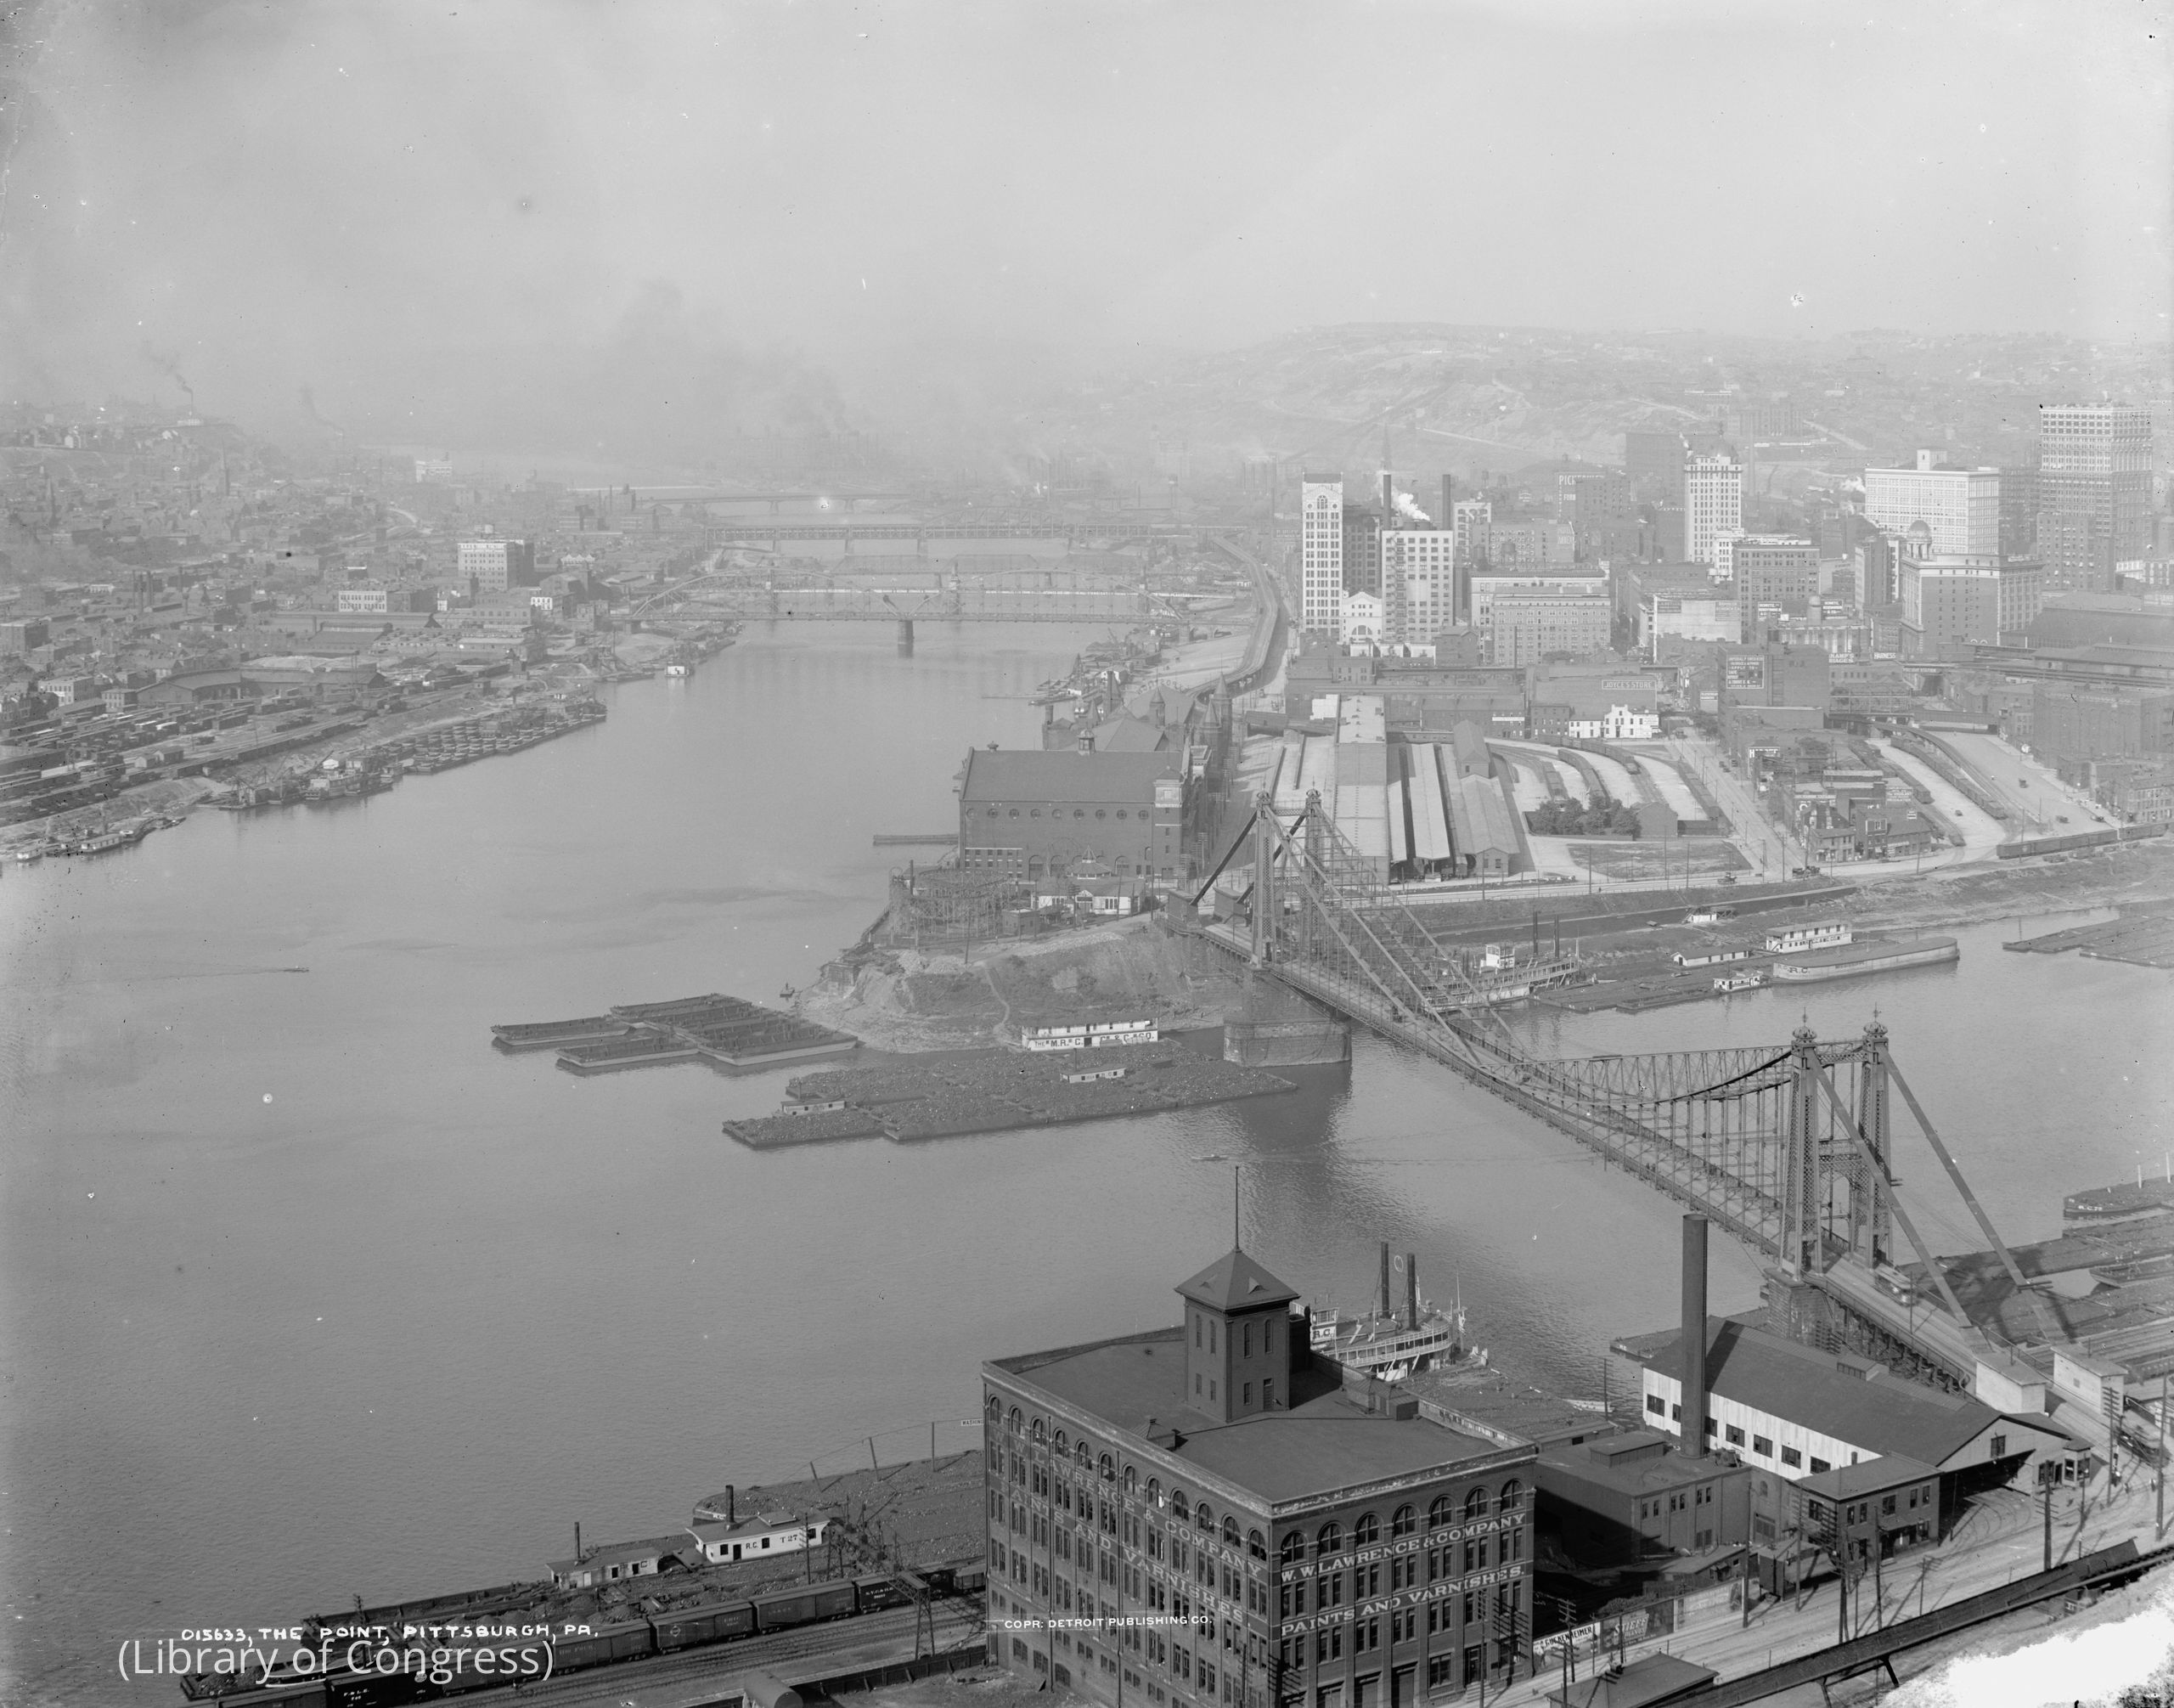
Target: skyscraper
2094, 484
1713, 504
1321, 553
1962, 507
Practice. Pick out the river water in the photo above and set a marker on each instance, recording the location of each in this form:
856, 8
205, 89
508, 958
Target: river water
309, 1293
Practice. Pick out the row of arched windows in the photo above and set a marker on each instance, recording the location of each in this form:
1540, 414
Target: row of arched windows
1367, 1531
1058, 812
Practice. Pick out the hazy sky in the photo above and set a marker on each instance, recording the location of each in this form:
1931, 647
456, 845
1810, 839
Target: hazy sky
466, 210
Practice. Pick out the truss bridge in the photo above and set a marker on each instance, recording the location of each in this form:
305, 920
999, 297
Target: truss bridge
1789, 1146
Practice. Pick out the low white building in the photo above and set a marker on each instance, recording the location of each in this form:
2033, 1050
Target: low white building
1617, 723
757, 1538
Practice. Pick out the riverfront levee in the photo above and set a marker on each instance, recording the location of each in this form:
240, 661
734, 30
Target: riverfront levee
390, 1311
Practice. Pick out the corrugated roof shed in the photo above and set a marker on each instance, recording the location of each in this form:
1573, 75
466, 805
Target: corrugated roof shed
1020, 773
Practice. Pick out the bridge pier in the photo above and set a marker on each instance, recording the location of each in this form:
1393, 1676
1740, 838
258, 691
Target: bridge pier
906, 637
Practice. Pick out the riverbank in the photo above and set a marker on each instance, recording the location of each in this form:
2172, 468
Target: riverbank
907, 1000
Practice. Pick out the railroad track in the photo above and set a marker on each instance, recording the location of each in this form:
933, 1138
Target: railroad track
955, 1622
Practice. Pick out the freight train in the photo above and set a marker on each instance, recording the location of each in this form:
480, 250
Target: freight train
418, 1670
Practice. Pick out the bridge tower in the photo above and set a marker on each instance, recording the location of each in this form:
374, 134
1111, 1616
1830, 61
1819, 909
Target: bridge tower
1265, 897
1800, 1253
1316, 850
1877, 1213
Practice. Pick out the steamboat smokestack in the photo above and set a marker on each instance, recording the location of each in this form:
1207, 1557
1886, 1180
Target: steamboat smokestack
1411, 1289
1694, 1335
1382, 1308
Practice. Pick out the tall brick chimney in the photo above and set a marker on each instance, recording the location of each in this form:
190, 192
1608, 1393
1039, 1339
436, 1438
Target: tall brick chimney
1694, 1335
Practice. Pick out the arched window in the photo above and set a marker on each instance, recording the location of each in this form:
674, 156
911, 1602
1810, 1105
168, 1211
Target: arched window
1059, 1446
1292, 1549
1107, 1468
1131, 1480
1256, 1545
1441, 1512
1082, 1457
1230, 1532
1155, 1493
1475, 1505
1180, 1508
995, 1408
1367, 1532
1405, 1521
1330, 1540
1039, 1433
1014, 1420
1204, 1518
1512, 1492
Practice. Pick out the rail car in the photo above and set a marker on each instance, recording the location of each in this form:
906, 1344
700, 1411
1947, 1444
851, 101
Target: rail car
665, 1633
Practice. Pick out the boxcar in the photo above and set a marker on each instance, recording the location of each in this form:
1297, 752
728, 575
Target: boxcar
785, 1608
972, 1579
688, 1627
619, 1642
877, 1591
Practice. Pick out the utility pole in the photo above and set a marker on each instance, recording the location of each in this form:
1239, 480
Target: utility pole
2159, 1517
2046, 1492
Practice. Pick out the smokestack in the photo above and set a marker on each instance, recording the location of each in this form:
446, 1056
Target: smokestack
1694, 1335
731, 1505
1382, 1307
1411, 1289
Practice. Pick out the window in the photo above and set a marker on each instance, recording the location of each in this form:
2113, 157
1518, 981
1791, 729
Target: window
1405, 1521
1735, 1436
1819, 1465
1439, 1513
1656, 1405
1791, 1456
1999, 1446
1475, 1505
1249, 1341
1512, 1493
1230, 1532
1256, 1545
1367, 1532
1248, 1399
1292, 1549
1762, 1445
1330, 1540
1267, 1394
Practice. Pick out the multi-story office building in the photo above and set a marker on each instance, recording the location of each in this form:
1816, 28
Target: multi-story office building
1362, 549
1526, 628
1321, 553
2019, 510
1420, 578
2094, 463
493, 564
1670, 623
1483, 588
1713, 504
1470, 519
1206, 1513
1960, 507
1776, 577
1948, 605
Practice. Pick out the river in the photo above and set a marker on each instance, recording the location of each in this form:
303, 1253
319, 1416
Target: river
309, 1293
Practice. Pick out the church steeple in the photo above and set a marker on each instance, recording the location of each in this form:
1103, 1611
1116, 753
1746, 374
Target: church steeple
1238, 1330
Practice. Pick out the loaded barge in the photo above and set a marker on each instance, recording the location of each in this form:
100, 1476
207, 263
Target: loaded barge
1874, 955
725, 1032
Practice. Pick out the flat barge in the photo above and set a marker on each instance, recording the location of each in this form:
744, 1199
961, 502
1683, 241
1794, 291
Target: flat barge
726, 1032
995, 1092
1874, 955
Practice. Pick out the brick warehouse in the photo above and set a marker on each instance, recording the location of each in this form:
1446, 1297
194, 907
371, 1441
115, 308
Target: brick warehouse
1030, 814
1208, 1514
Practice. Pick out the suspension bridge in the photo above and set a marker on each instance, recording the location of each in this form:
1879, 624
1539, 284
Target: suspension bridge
1789, 1146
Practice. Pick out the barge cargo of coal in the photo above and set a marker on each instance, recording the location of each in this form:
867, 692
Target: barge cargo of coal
726, 1032
1874, 955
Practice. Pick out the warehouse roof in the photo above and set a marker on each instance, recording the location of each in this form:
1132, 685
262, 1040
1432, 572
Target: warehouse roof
1811, 1389
1136, 1386
1235, 1281
1030, 775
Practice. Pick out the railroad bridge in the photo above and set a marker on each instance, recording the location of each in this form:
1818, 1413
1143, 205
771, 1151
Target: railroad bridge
1789, 1147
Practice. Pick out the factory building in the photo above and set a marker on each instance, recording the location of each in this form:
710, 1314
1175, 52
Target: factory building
1205, 1513
1032, 815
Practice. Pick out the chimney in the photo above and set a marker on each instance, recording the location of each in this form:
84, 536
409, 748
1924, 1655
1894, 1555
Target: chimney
1694, 1335
731, 1505
1382, 1307
1086, 741
1411, 1289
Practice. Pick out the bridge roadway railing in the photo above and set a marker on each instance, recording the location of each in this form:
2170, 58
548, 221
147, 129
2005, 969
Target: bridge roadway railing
1543, 1091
